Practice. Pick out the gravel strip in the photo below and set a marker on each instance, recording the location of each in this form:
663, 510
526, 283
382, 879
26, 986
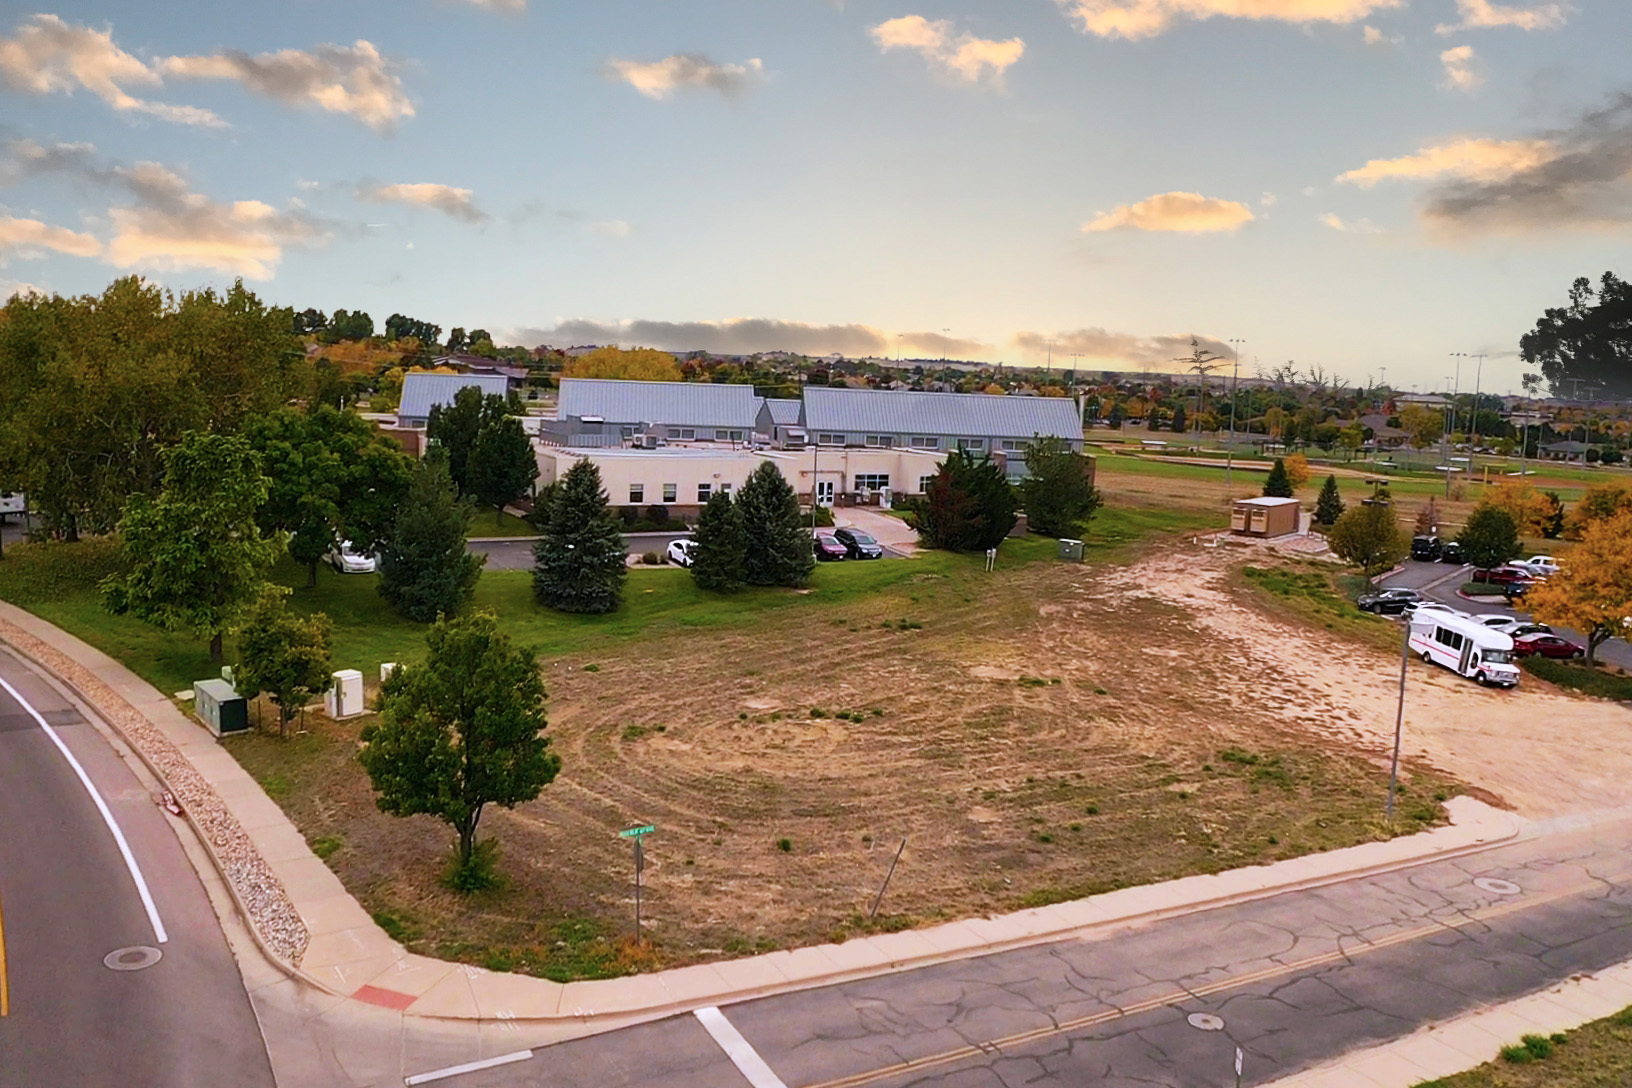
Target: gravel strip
270, 910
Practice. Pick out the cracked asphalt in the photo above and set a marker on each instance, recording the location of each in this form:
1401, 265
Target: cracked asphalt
1297, 979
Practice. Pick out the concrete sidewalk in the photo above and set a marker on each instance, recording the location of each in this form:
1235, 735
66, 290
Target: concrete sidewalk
306, 922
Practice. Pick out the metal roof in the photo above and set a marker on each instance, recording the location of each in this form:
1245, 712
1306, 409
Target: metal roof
784, 413
421, 392
688, 404
974, 414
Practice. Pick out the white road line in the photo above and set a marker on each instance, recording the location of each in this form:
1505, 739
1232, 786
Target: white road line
468, 1067
102, 807
745, 1057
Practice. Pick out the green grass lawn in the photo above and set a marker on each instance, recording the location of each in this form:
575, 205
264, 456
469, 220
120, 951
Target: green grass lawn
1318, 594
491, 523
1595, 1055
1576, 676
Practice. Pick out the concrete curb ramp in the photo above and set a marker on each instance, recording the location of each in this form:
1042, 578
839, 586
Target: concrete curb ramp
348, 956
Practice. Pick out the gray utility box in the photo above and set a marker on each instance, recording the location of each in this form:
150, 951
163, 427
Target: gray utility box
1071, 549
220, 707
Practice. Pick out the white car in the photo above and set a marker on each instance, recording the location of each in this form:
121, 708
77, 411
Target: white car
346, 559
679, 551
1492, 619
1433, 606
1539, 565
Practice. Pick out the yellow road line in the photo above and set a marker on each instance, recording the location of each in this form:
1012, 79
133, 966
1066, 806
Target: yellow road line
1278, 970
5, 992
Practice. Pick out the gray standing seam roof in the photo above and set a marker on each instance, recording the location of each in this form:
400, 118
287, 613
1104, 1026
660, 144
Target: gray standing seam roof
974, 414
784, 413
420, 392
690, 404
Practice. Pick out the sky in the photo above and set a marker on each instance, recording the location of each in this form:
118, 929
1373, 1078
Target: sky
1367, 186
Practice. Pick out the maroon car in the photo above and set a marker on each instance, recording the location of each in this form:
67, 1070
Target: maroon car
1503, 576
1546, 645
829, 548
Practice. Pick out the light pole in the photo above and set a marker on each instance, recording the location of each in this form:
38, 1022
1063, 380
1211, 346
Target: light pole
1235, 374
1456, 392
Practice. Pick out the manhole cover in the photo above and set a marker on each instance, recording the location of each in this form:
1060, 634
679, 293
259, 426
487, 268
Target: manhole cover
131, 959
1497, 887
1205, 1021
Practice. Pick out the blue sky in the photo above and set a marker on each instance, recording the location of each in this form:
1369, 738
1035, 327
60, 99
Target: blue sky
955, 177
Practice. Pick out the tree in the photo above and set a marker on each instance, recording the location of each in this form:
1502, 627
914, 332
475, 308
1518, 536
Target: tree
1599, 503
579, 562
1058, 494
1530, 509
1552, 522
1329, 506
1592, 591
284, 655
968, 506
196, 559
635, 365
721, 546
456, 340
1297, 470
454, 428
1279, 484
425, 567
1422, 424
502, 465
1368, 537
1351, 438
1116, 416
1490, 538
776, 544
462, 731
1181, 421
1428, 518
1588, 342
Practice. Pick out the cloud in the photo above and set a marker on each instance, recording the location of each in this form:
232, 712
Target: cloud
740, 336
1583, 183
1481, 14
963, 56
610, 228
1268, 200
1460, 74
1375, 37
48, 55
1135, 19
945, 347
498, 5
355, 81
661, 78
1187, 213
443, 198
1359, 226
28, 237
1472, 159
1121, 349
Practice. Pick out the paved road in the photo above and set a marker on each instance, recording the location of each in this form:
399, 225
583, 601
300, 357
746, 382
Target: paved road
67, 900
1294, 981
518, 554
1449, 578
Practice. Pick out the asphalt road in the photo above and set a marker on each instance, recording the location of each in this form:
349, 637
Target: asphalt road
518, 554
1442, 581
1293, 981
68, 900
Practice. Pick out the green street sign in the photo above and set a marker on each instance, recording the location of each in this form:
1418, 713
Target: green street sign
636, 832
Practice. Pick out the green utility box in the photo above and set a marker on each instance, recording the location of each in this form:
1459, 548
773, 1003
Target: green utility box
1071, 549
220, 707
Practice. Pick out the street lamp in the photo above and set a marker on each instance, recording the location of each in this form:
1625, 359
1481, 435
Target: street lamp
1235, 374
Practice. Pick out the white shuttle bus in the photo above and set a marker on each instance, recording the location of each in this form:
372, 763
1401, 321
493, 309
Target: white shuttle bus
1465, 646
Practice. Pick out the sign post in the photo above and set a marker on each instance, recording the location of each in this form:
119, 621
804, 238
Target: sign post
1237, 1067
638, 834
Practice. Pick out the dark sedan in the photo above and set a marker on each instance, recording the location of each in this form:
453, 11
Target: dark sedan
859, 545
1450, 552
1389, 602
1546, 646
829, 549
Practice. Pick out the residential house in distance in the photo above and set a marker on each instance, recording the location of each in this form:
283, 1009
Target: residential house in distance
778, 420
516, 376
1384, 437
421, 392
595, 412
1568, 450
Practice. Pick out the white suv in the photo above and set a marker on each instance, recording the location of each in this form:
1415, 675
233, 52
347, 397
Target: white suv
1539, 565
679, 551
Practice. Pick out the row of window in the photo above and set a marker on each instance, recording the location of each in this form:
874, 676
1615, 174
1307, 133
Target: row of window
921, 442
864, 481
689, 434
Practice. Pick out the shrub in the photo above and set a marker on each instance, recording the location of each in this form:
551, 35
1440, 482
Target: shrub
651, 559
785, 845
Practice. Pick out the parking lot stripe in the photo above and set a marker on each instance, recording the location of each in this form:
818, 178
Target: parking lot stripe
468, 1067
743, 1056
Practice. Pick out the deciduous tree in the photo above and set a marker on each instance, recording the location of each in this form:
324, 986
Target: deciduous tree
1592, 591
579, 561
1424, 425
284, 655
1589, 340
1058, 496
776, 545
1297, 470
635, 365
502, 465
1530, 509
1490, 538
1369, 537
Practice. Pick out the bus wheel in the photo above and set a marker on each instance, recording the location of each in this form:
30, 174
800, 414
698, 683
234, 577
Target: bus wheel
1427, 658
1479, 678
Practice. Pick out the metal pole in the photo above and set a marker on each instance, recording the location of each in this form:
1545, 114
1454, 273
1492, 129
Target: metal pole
815, 481
640, 864
880, 897
1399, 721
1235, 375
1473, 439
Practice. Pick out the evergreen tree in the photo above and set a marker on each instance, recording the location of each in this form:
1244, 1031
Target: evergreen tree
776, 545
502, 464
454, 428
579, 563
717, 561
968, 506
1181, 420
426, 569
1058, 495
1279, 484
1329, 506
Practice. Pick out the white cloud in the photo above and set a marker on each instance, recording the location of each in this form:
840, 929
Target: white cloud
737, 336
1472, 160
1359, 226
1134, 19
1481, 14
1375, 37
29, 237
611, 228
661, 78
1268, 200
962, 56
1118, 348
355, 81
1460, 74
457, 203
1186, 213
498, 5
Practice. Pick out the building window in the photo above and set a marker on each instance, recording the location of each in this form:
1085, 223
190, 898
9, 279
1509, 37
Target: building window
627, 432
725, 488
683, 434
974, 444
637, 494
925, 442
670, 491
924, 482
830, 440
728, 436
880, 441
1012, 445
703, 492
872, 481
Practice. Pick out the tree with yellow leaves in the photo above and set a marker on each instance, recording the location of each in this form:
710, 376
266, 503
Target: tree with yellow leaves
1530, 509
1599, 503
1297, 469
634, 365
1423, 425
1592, 591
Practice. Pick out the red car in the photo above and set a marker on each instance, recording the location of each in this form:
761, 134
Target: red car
1545, 645
1503, 576
828, 548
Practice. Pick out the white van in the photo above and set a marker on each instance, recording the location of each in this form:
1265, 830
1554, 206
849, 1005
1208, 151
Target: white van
11, 503
1466, 646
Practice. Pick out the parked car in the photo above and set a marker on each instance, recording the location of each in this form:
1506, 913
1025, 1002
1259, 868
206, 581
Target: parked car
345, 558
1515, 591
859, 545
680, 551
1524, 627
829, 548
1539, 566
1388, 602
1434, 606
1502, 576
1492, 619
1426, 548
1546, 645
1450, 552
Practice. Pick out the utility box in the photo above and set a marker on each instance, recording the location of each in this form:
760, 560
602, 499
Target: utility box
220, 707
1071, 549
386, 669
345, 698
1019, 529
1265, 517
